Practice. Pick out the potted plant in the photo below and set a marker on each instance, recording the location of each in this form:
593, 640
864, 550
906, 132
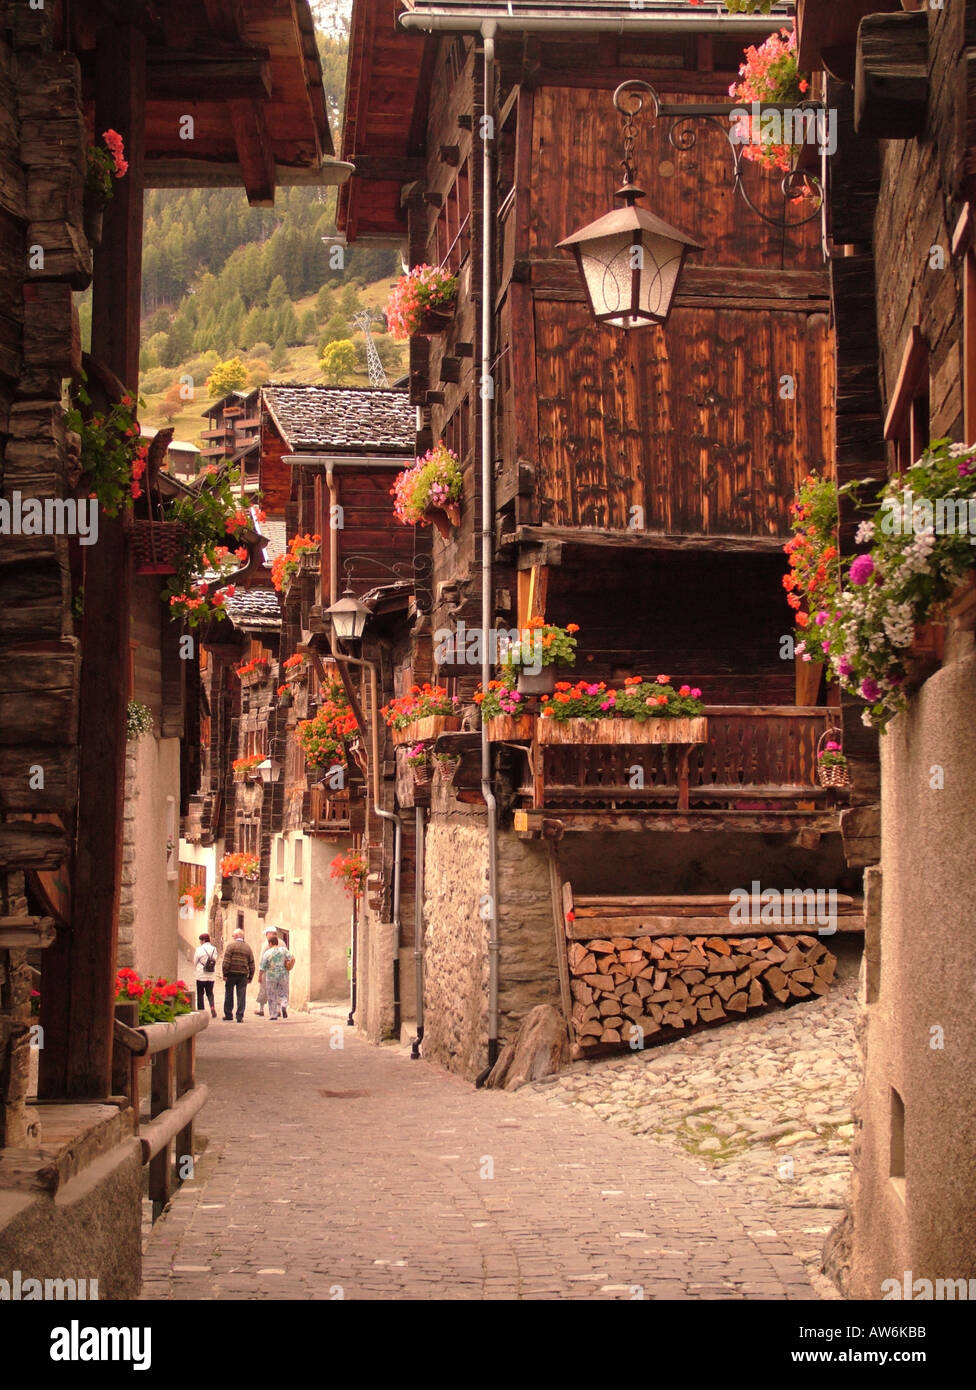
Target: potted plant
324, 738
350, 870
102, 166
159, 1000
447, 764
543, 645
429, 491
423, 713
421, 301
254, 671
302, 554
246, 769
295, 668
502, 710
139, 720
286, 696
640, 712
240, 864
769, 74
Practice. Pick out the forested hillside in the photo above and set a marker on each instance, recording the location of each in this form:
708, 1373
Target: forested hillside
223, 280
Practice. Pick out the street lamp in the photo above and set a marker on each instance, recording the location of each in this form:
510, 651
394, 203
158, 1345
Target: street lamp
348, 617
269, 770
629, 259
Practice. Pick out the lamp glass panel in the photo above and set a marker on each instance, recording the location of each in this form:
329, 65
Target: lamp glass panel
662, 262
608, 272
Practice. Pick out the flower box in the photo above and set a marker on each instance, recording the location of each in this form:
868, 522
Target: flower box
422, 730
255, 677
309, 561
443, 518
509, 728
694, 730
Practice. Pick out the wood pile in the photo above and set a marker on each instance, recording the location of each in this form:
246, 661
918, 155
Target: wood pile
663, 984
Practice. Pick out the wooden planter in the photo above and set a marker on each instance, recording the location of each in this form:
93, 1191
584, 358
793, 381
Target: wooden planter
434, 321
542, 684
443, 518
424, 730
689, 730
309, 561
156, 545
255, 677
421, 776
509, 728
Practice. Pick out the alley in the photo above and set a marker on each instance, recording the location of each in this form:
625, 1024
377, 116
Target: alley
357, 1173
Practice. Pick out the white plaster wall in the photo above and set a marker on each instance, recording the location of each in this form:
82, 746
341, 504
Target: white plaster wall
316, 913
155, 895
199, 921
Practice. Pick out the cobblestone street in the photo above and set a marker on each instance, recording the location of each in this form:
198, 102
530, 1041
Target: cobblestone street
358, 1173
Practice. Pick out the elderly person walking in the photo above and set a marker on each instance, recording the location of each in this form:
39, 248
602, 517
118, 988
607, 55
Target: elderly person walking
205, 966
237, 968
262, 992
273, 969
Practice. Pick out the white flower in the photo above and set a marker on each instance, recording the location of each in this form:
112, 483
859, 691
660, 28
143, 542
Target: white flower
864, 533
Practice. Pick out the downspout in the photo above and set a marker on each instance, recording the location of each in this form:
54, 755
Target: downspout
418, 929
374, 759
487, 540
333, 547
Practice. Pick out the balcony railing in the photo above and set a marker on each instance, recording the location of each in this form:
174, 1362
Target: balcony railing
757, 761
328, 812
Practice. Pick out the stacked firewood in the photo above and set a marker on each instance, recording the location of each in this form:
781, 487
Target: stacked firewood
669, 983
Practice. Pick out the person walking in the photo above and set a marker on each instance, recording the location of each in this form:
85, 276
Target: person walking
262, 991
238, 971
274, 969
205, 968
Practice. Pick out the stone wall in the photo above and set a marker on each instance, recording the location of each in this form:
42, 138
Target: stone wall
456, 941
920, 1044
149, 898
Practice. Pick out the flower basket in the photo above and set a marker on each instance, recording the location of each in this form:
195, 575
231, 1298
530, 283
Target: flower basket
653, 730
156, 545
831, 774
421, 775
423, 730
443, 518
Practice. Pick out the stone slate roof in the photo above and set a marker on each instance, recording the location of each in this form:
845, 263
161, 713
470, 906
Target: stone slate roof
343, 419
276, 534
254, 608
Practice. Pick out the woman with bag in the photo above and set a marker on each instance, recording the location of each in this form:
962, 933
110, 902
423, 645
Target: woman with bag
275, 963
205, 966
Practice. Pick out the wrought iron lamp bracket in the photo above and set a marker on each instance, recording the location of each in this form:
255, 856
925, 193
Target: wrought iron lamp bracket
629, 100
419, 571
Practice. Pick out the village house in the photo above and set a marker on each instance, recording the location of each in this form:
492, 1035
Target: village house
636, 484
903, 282
71, 1176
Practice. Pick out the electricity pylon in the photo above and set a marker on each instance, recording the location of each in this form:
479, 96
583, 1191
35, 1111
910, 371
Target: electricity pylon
377, 376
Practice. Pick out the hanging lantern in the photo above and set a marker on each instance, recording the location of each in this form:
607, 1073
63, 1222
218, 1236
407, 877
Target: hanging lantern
629, 259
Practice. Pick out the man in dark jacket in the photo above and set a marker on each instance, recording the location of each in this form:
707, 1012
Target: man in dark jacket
237, 968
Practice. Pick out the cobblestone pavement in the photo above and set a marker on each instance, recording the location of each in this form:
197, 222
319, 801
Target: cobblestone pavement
359, 1173
762, 1105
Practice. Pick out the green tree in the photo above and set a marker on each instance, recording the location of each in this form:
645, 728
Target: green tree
172, 403
307, 326
277, 292
324, 304
336, 328
338, 360
279, 357
349, 300
225, 377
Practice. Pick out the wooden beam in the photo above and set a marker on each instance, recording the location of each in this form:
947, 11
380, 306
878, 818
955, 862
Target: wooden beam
225, 17
255, 151
177, 76
891, 78
78, 1000
389, 168
644, 540
26, 844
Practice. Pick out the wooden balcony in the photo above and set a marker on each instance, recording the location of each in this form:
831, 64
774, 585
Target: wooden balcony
328, 812
756, 770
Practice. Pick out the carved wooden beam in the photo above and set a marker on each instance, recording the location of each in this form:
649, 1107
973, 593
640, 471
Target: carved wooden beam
255, 151
891, 79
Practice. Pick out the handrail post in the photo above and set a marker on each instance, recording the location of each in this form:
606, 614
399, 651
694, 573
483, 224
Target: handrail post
185, 1080
162, 1099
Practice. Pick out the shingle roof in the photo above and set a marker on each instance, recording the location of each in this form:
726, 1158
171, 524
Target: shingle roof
276, 534
343, 419
254, 608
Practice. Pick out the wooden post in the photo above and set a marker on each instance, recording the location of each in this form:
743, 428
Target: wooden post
82, 1068
186, 1053
160, 1167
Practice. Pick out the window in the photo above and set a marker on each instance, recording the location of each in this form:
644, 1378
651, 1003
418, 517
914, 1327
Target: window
450, 242
299, 859
172, 842
457, 431
280, 857
962, 245
907, 422
896, 1154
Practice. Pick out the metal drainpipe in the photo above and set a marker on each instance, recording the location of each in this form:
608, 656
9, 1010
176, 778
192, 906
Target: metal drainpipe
418, 929
487, 542
333, 548
469, 21
374, 744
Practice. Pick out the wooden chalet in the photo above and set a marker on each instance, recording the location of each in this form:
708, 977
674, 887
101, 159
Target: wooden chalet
640, 481
233, 434
219, 92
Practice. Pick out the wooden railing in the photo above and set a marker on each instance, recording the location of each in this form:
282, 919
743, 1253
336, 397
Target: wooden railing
166, 1135
755, 758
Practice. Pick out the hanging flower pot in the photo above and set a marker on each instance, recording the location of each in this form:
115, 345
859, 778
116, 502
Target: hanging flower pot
422, 301
419, 765
156, 546
437, 319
